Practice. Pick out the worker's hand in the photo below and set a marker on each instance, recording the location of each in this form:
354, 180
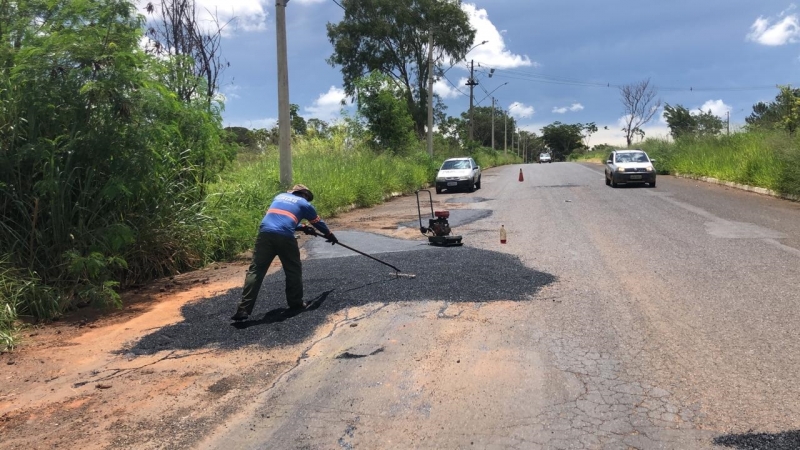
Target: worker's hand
331, 238
308, 230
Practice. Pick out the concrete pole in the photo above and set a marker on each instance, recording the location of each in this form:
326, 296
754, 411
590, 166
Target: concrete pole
430, 94
505, 133
492, 123
471, 84
284, 121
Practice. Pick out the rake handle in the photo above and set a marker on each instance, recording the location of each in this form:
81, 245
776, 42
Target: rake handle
360, 253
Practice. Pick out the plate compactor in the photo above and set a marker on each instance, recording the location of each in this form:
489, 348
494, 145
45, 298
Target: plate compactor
438, 229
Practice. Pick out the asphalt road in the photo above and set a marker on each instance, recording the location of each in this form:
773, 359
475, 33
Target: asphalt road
661, 318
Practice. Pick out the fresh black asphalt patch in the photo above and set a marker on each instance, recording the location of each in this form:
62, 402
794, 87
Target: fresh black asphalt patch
788, 440
460, 274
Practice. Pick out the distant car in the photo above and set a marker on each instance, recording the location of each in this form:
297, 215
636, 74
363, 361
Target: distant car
458, 173
545, 158
629, 166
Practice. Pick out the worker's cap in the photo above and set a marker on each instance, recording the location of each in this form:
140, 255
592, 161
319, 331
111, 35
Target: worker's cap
300, 188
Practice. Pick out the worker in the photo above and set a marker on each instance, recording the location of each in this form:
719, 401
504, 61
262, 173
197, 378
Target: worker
276, 237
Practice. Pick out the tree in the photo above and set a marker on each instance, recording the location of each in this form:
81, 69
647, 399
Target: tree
640, 105
299, 126
562, 138
783, 113
194, 45
381, 103
588, 130
391, 37
707, 123
679, 120
683, 122
318, 127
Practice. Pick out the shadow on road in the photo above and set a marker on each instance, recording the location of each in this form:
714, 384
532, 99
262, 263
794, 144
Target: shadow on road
460, 274
787, 440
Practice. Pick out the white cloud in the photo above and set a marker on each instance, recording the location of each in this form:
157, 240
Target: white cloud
717, 107
327, 105
447, 90
494, 52
575, 107
520, 110
245, 15
775, 31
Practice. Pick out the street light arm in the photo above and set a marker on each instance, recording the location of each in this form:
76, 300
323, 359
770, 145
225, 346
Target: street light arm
465, 55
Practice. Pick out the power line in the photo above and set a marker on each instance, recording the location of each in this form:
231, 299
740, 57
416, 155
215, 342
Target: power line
340, 5
541, 78
456, 87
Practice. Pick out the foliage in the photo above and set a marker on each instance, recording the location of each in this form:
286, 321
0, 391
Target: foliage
381, 103
683, 122
769, 159
562, 139
391, 36
175, 32
505, 127
781, 114
102, 165
299, 126
639, 106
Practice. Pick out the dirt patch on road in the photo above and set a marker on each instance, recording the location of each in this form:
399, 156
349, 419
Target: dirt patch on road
72, 384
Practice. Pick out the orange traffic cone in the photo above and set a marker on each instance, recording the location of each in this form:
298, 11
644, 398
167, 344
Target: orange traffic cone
521, 178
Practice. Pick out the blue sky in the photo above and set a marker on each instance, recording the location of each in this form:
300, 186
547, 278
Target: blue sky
737, 47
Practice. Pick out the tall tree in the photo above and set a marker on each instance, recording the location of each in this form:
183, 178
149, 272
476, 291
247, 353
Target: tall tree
783, 113
683, 122
391, 37
194, 45
299, 126
640, 105
381, 103
562, 139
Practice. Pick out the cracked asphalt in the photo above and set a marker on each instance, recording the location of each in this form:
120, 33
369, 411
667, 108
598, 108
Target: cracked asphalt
630, 318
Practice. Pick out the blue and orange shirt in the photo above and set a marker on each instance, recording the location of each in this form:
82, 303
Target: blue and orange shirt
285, 213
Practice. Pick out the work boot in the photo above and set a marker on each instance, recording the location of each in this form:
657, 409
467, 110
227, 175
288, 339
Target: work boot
299, 307
239, 316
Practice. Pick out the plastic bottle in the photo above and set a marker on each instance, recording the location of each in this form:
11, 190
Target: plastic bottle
502, 234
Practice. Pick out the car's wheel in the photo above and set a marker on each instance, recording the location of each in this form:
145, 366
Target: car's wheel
471, 187
608, 182
438, 190
653, 184
614, 182
478, 184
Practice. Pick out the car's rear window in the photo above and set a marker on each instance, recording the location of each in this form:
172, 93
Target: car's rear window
457, 164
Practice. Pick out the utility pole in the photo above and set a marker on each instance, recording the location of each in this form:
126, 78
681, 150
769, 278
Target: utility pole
471, 83
430, 93
505, 133
492, 123
284, 121
729, 123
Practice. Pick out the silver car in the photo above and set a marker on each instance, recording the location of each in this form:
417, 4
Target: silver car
630, 166
545, 158
458, 173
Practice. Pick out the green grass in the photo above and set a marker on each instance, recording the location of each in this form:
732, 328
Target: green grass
596, 157
340, 177
765, 159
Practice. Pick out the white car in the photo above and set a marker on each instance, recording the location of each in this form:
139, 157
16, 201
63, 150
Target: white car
545, 158
629, 166
458, 173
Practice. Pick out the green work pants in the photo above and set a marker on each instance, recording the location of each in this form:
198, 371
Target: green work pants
268, 246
